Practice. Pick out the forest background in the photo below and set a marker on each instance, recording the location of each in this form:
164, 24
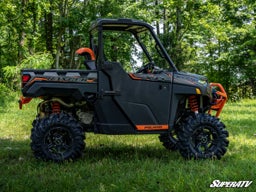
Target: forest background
215, 38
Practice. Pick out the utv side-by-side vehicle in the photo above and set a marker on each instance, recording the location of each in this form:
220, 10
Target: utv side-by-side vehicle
129, 85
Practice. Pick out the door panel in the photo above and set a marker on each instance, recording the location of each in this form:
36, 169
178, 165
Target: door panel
143, 102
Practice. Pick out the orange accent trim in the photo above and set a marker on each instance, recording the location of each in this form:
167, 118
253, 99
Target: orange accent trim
134, 77
37, 79
86, 50
151, 127
220, 102
90, 80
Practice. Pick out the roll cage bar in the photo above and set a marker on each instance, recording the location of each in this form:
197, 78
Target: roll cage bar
130, 25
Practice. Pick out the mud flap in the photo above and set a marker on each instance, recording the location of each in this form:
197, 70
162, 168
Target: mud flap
24, 100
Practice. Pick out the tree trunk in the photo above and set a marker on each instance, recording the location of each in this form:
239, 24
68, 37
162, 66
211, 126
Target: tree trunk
21, 32
49, 29
178, 48
157, 16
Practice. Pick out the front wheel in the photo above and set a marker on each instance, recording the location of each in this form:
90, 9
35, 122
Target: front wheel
58, 137
203, 137
169, 140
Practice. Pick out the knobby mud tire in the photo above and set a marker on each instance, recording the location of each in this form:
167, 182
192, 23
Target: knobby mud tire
58, 137
169, 141
203, 137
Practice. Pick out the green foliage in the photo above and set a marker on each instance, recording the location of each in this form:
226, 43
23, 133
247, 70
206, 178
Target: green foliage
11, 74
37, 61
213, 38
5, 96
124, 163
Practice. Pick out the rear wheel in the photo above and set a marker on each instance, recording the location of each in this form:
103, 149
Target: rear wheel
58, 137
202, 137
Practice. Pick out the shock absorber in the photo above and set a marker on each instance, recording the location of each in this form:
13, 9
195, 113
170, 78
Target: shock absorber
55, 107
192, 100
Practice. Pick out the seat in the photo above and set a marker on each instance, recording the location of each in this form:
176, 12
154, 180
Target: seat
89, 57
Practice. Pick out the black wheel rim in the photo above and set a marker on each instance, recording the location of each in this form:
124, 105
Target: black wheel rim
204, 139
58, 142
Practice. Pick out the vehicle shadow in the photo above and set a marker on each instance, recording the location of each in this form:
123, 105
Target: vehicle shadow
20, 151
125, 152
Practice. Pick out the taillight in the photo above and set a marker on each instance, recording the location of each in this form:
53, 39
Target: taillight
25, 78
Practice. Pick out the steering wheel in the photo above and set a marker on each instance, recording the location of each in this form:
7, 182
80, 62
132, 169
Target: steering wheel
146, 68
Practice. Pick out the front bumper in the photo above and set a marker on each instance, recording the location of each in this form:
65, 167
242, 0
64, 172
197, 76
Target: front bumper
219, 98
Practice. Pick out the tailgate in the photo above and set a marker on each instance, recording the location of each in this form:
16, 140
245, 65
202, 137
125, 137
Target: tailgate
72, 83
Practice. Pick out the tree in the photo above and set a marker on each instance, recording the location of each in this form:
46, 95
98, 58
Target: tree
211, 37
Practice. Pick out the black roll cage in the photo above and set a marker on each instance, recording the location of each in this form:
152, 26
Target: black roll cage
129, 25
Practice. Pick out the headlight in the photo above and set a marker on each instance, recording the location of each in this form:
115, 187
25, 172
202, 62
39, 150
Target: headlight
202, 82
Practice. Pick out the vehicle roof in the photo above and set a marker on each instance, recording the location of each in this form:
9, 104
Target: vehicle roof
123, 24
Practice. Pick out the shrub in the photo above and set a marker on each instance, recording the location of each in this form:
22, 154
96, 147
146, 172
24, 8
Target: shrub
11, 74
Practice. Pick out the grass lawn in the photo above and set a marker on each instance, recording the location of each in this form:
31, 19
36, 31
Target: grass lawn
125, 163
